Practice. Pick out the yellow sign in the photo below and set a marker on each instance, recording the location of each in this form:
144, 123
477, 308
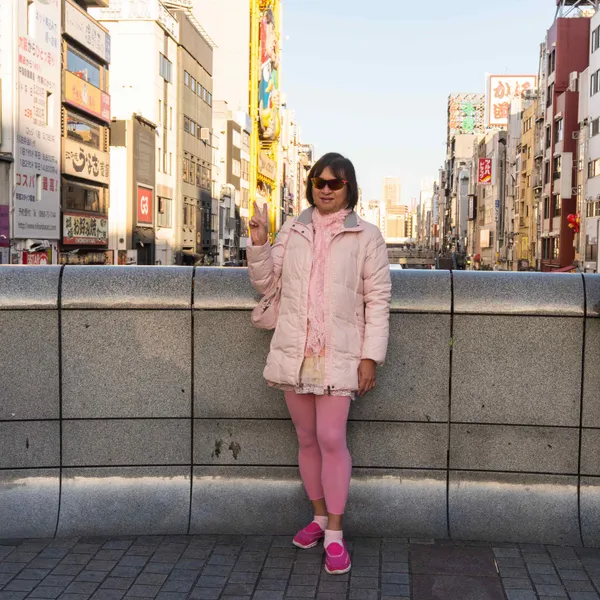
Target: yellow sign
87, 97
267, 167
84, 161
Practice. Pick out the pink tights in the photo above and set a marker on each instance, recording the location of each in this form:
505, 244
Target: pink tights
323, 456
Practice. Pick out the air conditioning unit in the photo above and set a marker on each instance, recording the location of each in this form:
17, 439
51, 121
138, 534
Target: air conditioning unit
576, 135
573, 81
205, 134
529, 94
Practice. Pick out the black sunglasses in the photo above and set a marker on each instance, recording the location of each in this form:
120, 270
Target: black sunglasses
333, 184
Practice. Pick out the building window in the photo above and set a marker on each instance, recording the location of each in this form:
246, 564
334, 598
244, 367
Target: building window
204, 92
557, 167
244, 198
83, 131
236, 139
158, 160
199, 173
556, 205
170, 163
165, 161
594, 168
546, 171
548, 137
186, 79
550, 98
84, 197
160, 111
165, 208
596, 39
558, 131
546, 208
165, 68
245, 169
595, 83
209, 98
595, 127
236, 168
186, 170
193, 128
186, 124
83, 67
171, 118
192, 178
552, 62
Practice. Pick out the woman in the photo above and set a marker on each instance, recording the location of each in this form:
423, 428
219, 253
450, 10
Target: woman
331, 332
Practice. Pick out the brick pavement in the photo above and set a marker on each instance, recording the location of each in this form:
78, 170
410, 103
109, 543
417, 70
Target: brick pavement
269, 568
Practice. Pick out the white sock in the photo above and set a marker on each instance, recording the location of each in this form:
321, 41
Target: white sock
321, 521
332, 535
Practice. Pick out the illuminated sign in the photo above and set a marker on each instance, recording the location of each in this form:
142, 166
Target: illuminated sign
87, 97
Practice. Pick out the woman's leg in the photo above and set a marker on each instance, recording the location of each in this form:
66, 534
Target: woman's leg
332, 416
303, 412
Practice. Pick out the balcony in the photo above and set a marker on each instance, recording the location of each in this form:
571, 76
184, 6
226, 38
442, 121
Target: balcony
524, 165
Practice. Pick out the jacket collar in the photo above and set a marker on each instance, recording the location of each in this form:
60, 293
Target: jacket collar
351, 222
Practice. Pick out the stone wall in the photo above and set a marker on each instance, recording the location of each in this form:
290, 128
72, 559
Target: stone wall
132, 402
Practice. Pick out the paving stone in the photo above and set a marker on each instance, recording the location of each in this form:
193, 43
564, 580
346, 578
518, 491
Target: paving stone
272, 585
366, 561
304, 579
267, 573
143, 591
177, 585
221, 559
578, 586
392, 589
573, 575
132, 561
212, 581
119, 571
12, 568
333, 586
108, 595
203, 593
46, 592
502, 561
363, 594
81, 587
158, 568
57, 580
573, 563
13, 595
517, 583
506, 552
25, 557
243, 577
330, 596
140, 551
20, 585
184, 574
238, 589
37, 574
401, 578
364, 582
117, 545
561, 552
532, 548
76, 559
546, 578
513, 572
69, 569
101, 565
171, 596
538, 559
520, 595
117, 583
42, 563
584, 596
541, 568
278, 563
306, 568
151, 578
553, 591
249, 567
86, 575
189, 563
52, 553
197, 553
300, 591
268, 595
393, 567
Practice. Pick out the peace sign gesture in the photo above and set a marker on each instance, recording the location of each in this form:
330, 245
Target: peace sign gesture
259, 225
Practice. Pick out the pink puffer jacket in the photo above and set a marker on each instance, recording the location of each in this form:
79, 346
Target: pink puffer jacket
357, 298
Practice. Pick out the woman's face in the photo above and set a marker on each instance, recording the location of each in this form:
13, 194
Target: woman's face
329, 201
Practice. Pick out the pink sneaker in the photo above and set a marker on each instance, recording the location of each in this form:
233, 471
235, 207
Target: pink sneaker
309, 537
337, 559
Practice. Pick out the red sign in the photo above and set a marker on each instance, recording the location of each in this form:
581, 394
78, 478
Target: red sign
145, 214
484, 174
37, 258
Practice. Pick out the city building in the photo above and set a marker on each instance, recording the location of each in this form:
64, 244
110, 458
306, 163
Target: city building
86, 117
567, 55
163, 106
30, 131
588, 163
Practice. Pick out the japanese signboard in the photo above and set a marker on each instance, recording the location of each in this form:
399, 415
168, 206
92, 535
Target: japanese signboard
37, 136
466, 114
501, 91
84, 30
269, 98
87, 97
485, 171
84, 161
38, 258
85, 229
145, 214
267, 166
142, 10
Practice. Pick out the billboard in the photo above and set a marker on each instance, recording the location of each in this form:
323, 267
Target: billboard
85, 161
85, 229
145, 214
501, 90
466, 114
86, 31
37, 156
485, 171
269, 100
87, 97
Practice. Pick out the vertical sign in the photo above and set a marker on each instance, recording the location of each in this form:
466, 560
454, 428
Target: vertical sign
501, 91
144, 205
484, 173
37, 160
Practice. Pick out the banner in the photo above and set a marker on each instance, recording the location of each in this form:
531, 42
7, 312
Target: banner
485, 171
85, 229
87, 97
145, 213
86, 31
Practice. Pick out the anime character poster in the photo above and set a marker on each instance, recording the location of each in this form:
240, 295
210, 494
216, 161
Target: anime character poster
268, 94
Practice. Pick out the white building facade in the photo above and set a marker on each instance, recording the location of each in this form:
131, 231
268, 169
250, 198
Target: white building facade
30, 148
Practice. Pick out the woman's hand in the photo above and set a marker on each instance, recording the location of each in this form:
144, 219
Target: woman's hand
259, 226
366, 376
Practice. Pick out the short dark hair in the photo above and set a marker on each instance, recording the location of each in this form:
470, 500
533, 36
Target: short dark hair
342, 168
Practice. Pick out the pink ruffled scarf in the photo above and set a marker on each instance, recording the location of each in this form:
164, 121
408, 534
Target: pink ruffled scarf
325, 228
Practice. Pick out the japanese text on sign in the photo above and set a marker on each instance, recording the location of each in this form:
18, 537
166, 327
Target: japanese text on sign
484, 174
502, 89
85, 229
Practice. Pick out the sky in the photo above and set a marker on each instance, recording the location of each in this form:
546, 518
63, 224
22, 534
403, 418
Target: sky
371, 79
